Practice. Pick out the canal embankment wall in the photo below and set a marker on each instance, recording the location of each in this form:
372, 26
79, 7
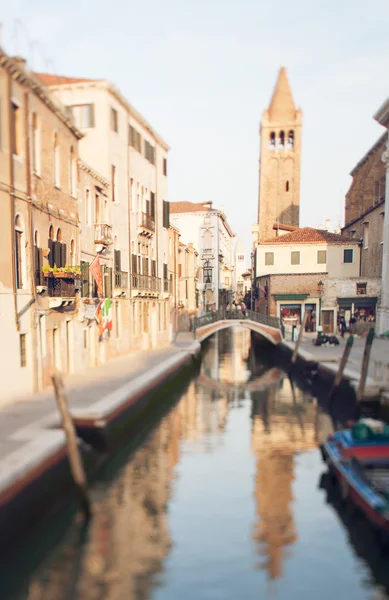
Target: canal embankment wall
107, 408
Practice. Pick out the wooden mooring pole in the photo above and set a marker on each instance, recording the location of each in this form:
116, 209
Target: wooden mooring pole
75, 461
342, 366
365, 364
300, 337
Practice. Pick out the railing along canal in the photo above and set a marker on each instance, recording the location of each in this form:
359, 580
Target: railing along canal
223, 315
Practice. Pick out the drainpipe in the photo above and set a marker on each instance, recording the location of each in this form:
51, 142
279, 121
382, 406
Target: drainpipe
360, 258
33, 317
12, 202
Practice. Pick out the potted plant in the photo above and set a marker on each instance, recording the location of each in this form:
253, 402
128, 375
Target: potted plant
46, 270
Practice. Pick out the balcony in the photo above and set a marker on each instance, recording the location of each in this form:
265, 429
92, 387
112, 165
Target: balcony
146, 284
146, 223
103, 234
121, 280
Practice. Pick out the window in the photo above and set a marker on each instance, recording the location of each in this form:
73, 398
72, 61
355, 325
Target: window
290, 139
365, 235
207, 272
36, 145
321, 257
348, 255
149, 152
227, 281
134, 138
18, 253
166, 214
16, 125
281, 141
164, 166
117, 319
114, 120
97, 209
272, 140
240, 256
207, 241
23, 350
269, 258
361, 289
113, 182
84, 115
56, 163
287, 186
87, 207
73, 173
295, 257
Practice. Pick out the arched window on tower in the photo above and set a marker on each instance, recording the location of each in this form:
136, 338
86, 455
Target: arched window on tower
281, 139
291, 139
287, 186
272, 140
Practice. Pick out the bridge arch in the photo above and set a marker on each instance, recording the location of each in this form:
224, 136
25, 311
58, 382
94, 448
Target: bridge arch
270, 333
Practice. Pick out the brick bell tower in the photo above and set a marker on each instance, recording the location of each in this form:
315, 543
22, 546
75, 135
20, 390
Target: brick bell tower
279, 165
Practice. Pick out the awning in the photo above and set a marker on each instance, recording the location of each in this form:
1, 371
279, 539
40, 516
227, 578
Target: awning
358, 301
290, 296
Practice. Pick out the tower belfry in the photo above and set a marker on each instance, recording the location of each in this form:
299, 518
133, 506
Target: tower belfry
280, 154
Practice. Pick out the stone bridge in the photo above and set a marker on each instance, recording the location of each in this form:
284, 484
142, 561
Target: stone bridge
266, 326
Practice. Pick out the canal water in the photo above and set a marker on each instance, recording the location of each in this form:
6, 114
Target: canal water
225, 498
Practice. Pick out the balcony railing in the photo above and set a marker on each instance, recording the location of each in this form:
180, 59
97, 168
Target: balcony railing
121, 280
147, 221
146, 283
64, 287
103, 234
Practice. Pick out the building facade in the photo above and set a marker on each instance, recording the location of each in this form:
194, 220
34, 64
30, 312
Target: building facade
39, 240
316, 271
365, 207
209, 232
188, 273
382, 116
280, 157
121, 145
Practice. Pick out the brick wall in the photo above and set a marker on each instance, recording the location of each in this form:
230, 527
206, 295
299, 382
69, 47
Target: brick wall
368, 185
371, 259
306, 283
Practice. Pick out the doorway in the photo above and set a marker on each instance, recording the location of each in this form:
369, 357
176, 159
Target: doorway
328, 321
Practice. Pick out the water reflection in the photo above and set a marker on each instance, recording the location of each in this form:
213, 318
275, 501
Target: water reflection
216, 503
283, 425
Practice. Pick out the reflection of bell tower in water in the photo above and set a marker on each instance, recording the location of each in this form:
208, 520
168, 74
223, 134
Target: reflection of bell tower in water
280, 155
277, 436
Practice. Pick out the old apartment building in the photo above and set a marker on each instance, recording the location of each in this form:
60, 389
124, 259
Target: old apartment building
131, 226
280, 158
207, 229
39, 240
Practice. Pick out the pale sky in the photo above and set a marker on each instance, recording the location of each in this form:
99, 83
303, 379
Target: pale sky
203, 71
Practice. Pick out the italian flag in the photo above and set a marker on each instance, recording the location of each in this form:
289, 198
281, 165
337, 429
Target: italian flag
106, 311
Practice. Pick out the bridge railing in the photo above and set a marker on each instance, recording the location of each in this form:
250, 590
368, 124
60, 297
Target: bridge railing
222, 315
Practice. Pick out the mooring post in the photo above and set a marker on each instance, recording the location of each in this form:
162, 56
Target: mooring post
365, 364
76, 466
341, 368
300, 337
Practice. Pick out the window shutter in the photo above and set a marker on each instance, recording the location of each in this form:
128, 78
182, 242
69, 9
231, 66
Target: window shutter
153, 268
180, 270
85, 279
134, 263
51, 253
118, 260
164, 270
37, 265
56, 250
148, 207
62, 248
152, 204
108, 282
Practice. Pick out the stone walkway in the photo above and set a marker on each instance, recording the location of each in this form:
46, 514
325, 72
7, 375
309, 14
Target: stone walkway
332, 354
83, 390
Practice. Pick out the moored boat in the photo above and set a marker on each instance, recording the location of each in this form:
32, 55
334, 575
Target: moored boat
359, 458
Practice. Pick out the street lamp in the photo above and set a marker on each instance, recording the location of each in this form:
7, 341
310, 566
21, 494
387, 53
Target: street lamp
320, 286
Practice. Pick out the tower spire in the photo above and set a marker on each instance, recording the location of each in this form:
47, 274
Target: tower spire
282, 107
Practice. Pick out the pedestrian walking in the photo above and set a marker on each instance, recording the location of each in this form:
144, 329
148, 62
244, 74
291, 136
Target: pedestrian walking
342, 325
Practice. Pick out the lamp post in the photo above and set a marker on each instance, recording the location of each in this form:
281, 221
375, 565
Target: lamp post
320, 286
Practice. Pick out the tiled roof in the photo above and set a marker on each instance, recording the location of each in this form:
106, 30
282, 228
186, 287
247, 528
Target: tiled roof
185, 207
308, 235
47, 79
